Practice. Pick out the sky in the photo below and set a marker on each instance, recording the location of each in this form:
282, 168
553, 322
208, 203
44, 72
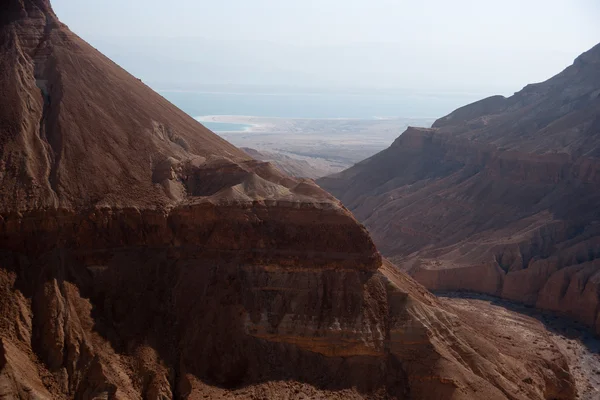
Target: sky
431, 45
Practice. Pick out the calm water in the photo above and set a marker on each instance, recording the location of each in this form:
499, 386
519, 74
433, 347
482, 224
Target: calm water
225, 126
318, 105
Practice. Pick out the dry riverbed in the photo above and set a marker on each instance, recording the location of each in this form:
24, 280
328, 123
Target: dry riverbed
575, 341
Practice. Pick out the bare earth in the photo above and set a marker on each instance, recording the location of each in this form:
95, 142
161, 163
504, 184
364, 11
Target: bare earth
498, 197
328, 145
575, 341
144, 257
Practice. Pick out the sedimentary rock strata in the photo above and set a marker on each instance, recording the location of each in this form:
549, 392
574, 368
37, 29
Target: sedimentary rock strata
141, 256
499, 197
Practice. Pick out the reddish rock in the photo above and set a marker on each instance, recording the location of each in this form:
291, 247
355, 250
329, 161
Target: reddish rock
497, 197
141, 256
289, 165
575, 291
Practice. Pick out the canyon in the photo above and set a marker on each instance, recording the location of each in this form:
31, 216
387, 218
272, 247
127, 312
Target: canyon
499, 197
142, 256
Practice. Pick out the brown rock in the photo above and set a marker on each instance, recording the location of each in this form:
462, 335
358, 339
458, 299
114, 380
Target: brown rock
141, 256
497, 197
290, 166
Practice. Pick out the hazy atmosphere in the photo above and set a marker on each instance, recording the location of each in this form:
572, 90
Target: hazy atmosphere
300, 199
326, 84
436, 45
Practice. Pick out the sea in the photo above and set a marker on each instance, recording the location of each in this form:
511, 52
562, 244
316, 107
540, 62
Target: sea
225, 126
314, 104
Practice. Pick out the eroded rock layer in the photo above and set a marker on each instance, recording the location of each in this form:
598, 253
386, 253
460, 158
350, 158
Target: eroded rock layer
499, 197
141, 256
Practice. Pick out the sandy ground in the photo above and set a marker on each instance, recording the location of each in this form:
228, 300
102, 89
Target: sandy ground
575, 341
331, 144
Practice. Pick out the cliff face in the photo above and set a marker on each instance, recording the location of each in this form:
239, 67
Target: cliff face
500, 197
77, 130
141, 256
290, 166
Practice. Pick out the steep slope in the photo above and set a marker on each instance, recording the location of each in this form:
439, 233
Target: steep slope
500, 197
290, 166
143, 257
68, 113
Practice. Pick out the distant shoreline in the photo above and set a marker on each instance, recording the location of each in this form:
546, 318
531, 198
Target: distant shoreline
244, 118
262, 124
252, 124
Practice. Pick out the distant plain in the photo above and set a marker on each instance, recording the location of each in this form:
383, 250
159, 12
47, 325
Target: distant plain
329, 130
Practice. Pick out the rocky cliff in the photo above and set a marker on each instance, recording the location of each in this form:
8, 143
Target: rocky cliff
141, 256
291, 166
500, 196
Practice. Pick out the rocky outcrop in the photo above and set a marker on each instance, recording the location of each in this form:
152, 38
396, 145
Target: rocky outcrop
188, 322
291, 166
498, 197
222, 292
141, 256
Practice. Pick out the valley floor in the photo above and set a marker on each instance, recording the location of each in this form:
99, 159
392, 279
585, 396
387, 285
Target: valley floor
575, 341
327, 145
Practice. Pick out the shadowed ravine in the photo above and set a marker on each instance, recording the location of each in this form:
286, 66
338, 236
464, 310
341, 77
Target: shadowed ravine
144, 257
498, 197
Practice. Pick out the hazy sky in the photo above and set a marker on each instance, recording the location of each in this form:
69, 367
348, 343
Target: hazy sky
478, 45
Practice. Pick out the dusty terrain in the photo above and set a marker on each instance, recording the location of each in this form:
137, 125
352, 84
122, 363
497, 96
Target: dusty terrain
296, 167
327, 145
543, 331
499, 197
142, 256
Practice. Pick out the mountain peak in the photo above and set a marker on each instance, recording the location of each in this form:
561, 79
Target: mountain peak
592, 56
30, 4
466, 205
19, 9
143, 256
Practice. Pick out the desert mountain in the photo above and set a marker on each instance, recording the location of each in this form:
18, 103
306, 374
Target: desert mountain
501, 196
290, 166
141, 256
